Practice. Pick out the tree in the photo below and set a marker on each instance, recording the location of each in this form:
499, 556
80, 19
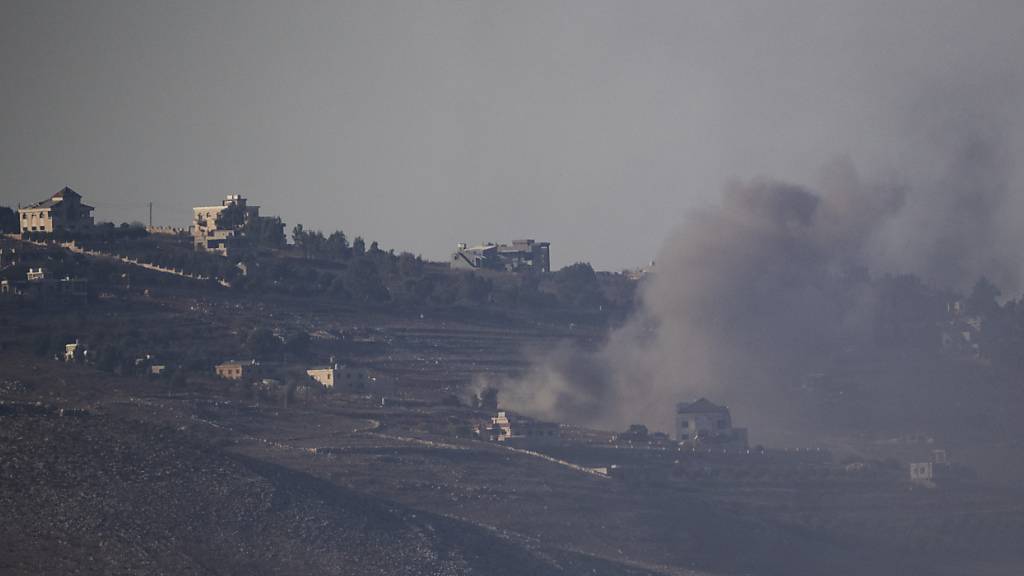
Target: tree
300, 239
409, 265
364, 283
359, 247
8, 221
266, 232
984, 298
261, 342
473, 288
337, 246
577, 285
297, 343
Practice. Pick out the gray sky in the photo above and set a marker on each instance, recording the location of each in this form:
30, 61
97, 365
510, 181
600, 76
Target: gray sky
591, 124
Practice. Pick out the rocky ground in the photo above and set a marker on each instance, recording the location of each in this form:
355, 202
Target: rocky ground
106, 474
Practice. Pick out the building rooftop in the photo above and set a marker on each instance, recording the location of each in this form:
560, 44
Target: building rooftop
702, 405
57, 198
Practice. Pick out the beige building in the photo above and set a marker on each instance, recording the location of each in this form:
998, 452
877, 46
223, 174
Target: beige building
507, 427
339, 375
73, 350
210, 236
62, 212
238, 370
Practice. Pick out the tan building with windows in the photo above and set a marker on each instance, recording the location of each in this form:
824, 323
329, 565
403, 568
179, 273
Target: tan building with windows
238, 370
209, 235
62, 212
339, 375
508, 427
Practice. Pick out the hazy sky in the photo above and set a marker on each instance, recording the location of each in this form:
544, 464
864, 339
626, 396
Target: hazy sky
591, 124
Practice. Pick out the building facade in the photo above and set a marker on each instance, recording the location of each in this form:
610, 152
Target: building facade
62, 212
238, 370
507, 427
339, 375
519, 256
210, 233
707, 425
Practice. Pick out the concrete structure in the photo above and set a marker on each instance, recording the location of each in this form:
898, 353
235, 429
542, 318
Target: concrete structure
167, 230
938, 469
339, 375
209, 235
73, 351
506, 427
520, 256
704, 424
38, 287
62, 212
233, 370
8, 257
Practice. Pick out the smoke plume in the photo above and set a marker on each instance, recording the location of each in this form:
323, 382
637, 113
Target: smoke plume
750, 296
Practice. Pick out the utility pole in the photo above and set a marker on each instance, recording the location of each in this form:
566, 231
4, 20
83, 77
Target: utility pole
150, 214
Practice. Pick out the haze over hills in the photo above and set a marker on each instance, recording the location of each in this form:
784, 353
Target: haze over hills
700, 288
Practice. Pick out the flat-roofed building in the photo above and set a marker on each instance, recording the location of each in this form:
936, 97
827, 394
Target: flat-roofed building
344, 377
233, 370
211, 233
519, 256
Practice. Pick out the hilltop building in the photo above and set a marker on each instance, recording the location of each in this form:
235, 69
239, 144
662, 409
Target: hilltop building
705, 424
62, 212
520, 256
210, 233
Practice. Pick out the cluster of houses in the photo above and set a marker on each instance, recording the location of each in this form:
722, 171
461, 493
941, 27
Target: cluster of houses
65, 212
331, 376
39, 285
700, 425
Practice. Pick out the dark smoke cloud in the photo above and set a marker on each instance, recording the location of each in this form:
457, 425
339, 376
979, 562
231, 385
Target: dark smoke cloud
752, 295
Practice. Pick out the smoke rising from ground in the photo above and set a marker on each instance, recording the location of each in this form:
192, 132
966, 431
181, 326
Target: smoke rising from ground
753, 294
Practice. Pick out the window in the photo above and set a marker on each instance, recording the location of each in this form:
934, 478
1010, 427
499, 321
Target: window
721, 425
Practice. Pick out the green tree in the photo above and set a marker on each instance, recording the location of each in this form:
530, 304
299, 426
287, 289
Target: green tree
9, 220
265, 232
261, 342
984, 298
337, 246
577, 285
364, 282
301, 239
409, 265
297, 343
358, 247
